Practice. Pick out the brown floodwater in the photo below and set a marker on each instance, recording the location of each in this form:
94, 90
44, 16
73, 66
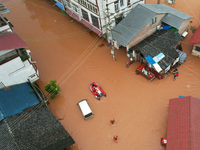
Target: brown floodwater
67, 51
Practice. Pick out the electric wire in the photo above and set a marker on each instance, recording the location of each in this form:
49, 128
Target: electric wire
61, 80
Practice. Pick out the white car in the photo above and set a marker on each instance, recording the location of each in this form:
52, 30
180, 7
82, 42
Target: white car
85, 109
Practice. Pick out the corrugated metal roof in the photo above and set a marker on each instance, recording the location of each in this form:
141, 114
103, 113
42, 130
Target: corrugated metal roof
195, 39
3, 9
140, 16
16, 99
172, 20
162, 9
183, 132
11, 40
132, 24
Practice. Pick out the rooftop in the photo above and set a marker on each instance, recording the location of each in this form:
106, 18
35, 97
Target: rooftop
140, 16
195, 39
10, 40
15, 99
36, 128
183, 132
162, 41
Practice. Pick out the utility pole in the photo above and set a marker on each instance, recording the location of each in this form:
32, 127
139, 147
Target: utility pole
109, 29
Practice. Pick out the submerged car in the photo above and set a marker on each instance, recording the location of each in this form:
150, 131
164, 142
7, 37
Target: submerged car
85, 109
96, 89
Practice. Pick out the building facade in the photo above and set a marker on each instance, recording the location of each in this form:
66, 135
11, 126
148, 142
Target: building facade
16, 65
98, 15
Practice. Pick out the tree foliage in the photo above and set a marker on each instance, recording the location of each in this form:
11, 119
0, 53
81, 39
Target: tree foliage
52, 88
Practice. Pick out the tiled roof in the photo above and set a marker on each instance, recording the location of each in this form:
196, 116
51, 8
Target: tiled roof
195, 39
10, 40
183, 131
36, 128
3, 9
162, 41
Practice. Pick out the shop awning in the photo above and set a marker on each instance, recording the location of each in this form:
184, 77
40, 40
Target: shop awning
60, 5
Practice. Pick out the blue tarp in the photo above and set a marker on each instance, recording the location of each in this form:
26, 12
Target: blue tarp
16, 99
150, 60
60, 5
166, 27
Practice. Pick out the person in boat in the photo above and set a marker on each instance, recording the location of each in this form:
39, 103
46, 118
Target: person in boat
96, 90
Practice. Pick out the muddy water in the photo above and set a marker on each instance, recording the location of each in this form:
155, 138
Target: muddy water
65, 50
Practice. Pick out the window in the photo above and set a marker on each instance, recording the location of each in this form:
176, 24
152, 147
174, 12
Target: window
128, 2
75, 8
118, 19
116, 6
154, 20
95, 21
85, 15
68, 4
121, 2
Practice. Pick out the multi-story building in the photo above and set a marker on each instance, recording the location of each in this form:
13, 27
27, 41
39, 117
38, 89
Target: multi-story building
16, 65
98, 15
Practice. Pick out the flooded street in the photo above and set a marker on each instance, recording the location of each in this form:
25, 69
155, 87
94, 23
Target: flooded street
67, 51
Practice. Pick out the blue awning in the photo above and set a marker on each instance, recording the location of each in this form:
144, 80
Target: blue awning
60, 5
150, 60
16, 99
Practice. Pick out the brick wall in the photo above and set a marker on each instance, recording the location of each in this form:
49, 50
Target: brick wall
146, 31
184, 26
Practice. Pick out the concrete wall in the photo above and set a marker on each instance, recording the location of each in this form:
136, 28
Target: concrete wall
184, 26
146, 31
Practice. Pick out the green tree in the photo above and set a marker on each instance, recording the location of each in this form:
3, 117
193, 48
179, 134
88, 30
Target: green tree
52, 88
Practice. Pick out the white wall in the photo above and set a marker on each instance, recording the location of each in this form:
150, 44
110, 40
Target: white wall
15, 72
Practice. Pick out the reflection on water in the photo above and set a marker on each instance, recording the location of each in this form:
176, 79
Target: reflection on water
68, 52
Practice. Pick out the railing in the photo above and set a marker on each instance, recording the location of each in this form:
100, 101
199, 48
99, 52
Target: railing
90, 6
39, 93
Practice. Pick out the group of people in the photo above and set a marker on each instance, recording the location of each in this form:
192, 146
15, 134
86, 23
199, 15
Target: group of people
176, 73
112, 122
